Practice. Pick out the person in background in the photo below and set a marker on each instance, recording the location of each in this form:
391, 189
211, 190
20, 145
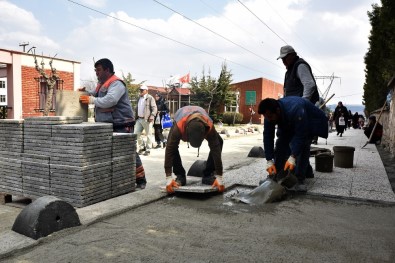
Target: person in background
378, 131
349, 119
297, 121
299, 80
162, 110
145, 113
112, 105
192, 124
340, 114
361, 121
355, 120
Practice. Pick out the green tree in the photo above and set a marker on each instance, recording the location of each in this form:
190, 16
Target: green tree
133, 88
211, 93
380, 58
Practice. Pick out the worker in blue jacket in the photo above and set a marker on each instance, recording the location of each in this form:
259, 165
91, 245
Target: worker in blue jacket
297, 121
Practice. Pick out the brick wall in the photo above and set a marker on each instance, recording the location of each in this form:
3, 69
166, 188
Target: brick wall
30, 98
264, 88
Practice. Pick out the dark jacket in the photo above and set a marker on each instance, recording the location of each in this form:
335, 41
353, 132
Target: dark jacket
162, 109
292, 84
300, 121
378, 132
338, 112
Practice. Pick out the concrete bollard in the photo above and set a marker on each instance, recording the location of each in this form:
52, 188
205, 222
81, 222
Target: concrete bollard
257, 151
44, 216
197, 168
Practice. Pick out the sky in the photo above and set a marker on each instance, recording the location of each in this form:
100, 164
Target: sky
157, 39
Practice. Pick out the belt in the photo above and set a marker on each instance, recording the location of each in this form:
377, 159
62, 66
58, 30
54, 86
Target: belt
140, 117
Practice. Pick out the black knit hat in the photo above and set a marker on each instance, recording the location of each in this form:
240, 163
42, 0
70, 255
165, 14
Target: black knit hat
196, 131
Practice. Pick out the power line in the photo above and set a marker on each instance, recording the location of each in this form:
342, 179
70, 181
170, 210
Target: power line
215, 33
270, 28
233, 23
262, 22
168, 38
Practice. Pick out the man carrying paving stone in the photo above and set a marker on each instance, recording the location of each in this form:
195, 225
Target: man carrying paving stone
112, 105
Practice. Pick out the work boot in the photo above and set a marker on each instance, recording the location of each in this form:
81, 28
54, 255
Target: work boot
157, 146
141, 186
141, 150
208, 180
146, 153
181, 180
310, 175
300, 187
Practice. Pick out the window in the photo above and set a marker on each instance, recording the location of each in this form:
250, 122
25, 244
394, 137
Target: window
43, 92
2, 84
2, 98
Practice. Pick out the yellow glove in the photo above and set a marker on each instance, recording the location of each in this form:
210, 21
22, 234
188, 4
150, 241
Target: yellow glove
219, 184
170, 183
86, 99
290, 163
271, 168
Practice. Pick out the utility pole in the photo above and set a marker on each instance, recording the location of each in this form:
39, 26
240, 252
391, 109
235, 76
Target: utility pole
331, 78
24, 44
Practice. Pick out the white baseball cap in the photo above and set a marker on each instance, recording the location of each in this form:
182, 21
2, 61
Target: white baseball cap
143, 87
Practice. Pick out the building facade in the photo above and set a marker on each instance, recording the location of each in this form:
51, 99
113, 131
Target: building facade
250, 94
26, 89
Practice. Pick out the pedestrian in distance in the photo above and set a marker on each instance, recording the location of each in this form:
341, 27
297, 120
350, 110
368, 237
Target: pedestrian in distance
192, 124
112, 105
162, 110
355, 120
341, 118
297, 121
145, 114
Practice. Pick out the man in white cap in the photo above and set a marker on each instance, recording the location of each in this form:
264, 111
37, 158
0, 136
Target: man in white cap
145, 114
299, 80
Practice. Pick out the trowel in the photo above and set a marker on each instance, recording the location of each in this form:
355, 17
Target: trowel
270, 190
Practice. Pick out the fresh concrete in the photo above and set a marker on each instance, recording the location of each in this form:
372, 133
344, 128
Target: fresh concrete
366, 181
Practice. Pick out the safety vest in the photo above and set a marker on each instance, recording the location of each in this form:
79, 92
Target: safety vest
107, 83
187, 113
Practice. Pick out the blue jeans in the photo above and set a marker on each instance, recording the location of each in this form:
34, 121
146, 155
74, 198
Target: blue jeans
282, 152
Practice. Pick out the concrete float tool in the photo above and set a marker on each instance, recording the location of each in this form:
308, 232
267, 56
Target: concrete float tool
270, 190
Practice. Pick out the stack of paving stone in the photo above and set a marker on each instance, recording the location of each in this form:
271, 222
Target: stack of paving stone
11, 148
123, 179
36, 177
36, 157
81, 162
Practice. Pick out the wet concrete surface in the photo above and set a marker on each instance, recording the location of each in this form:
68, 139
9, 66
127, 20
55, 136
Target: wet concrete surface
215, 229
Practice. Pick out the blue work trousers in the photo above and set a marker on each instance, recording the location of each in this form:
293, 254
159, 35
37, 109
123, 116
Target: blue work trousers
282, 152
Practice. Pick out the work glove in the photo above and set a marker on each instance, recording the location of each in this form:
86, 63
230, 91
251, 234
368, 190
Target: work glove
290, 163
271, 168
219, 183
86, 99
170, 183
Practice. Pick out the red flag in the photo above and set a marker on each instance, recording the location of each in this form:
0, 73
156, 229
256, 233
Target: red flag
184, 79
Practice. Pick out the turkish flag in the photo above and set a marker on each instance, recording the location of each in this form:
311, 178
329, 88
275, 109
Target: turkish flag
184, 79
